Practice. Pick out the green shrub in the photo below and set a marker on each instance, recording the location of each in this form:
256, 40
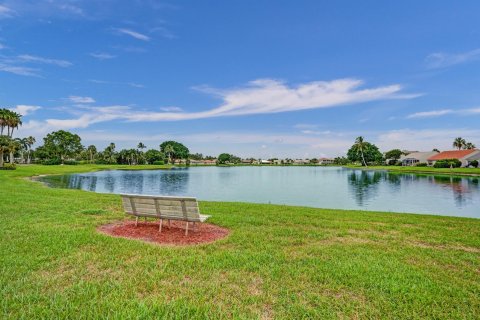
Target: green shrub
70, 162
474, 163
8, 166
421, 164
51, 162
158, 163
447, 163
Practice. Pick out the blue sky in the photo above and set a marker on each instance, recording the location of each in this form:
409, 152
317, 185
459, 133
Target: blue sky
253, 78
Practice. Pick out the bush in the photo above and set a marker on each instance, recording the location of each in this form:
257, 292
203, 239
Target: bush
447, 163
421, 164
51, 162
474, 163
158, 163
8, 166
70, 162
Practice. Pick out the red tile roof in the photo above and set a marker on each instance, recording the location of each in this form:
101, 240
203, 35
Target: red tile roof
454, 154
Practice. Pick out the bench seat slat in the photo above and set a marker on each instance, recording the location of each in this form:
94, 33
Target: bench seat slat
171, 208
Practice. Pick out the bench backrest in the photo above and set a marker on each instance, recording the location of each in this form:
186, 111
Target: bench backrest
177, 208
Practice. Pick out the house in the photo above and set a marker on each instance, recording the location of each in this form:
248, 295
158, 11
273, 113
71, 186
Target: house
325, 161
414, 158
300, 161
265, 162
464, 156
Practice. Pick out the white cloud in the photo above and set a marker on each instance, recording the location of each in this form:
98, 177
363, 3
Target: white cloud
260, 96
19, 70
316, 132
134, 34
443, 60
25, 110
424, 140
6, 12
102, 56
78, 99
136, 85
439, 113
430, 114
36, 59
171, 109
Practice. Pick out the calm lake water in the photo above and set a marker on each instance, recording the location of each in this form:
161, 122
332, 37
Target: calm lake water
322, 187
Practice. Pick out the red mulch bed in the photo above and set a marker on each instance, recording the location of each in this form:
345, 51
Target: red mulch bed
148, 231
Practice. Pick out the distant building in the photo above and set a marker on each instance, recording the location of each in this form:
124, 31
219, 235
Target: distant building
414, 158
265, 162
464, 156
325, 161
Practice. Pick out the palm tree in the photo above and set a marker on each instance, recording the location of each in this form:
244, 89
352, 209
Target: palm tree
13, 146
92, 151
141, 146
13, 120
4, 144
169, 150
30, 142
459, 143
469, 146
4, 114
361, 144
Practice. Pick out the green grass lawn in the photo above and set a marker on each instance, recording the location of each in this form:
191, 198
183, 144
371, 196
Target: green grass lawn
454, 171
278, 262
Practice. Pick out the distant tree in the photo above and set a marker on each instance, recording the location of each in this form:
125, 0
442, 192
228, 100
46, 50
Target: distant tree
436, 150
174, 150
195, 156
141, 146
459, 143
30, 141
342, 161
469, 146
10, 120
314, 161
393, 155
153, 155
91, 152
364, 152
224, 158
62, 144
4, 147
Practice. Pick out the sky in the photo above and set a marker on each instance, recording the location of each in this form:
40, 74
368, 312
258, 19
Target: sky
261, 79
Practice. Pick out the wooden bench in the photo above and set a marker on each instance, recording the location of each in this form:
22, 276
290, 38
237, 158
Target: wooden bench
163, 208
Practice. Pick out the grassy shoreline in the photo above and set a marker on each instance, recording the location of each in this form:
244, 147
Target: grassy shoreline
278, 262
473, 172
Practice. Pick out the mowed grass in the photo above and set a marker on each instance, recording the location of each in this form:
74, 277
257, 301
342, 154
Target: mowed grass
278, 262
432, 170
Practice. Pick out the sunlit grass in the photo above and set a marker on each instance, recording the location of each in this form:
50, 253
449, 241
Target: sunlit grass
278, 262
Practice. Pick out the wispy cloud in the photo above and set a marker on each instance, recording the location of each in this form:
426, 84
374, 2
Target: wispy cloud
430, 114
424, 140
36, 59
19, 70
171, 109
258, 97
134, 34
443, 112
81, 100
102, 56
6, 12
25, 110
443, 60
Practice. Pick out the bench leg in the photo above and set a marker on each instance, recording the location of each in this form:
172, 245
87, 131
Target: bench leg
169, 224
136, 221
194, 226
160, 227
186, 229
145, 219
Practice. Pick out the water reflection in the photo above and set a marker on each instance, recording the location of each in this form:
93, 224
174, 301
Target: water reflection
364, 185
307, 186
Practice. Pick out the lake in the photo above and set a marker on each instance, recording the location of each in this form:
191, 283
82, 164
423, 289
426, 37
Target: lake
322, 187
